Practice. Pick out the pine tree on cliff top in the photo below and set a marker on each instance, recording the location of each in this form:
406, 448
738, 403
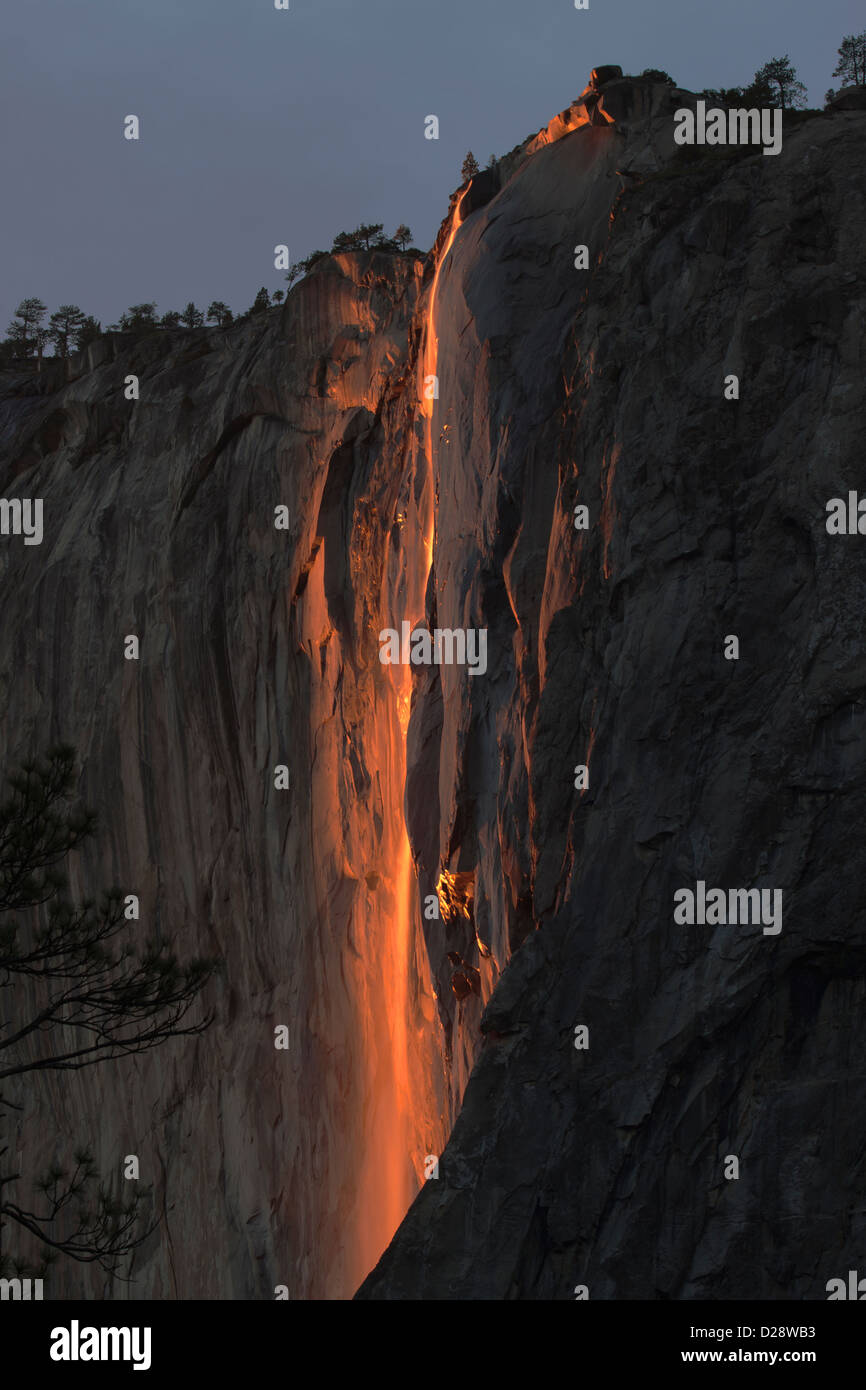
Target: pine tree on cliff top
470, 168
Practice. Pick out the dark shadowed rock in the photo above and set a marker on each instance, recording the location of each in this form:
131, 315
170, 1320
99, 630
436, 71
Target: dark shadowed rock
599, 76
483, 187
849, 99
606, 1165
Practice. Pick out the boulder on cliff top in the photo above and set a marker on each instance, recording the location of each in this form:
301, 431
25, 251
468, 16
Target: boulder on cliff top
849, 99
599, 76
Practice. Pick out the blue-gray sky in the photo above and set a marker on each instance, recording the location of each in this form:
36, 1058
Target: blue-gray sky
261, 126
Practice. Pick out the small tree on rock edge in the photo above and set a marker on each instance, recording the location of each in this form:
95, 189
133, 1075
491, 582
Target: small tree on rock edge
852, 60
470, 168
786, 89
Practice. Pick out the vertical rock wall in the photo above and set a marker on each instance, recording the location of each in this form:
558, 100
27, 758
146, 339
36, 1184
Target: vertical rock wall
605, 1166
557, 388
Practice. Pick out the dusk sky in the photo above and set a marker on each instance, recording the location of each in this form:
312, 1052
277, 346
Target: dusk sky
261, 126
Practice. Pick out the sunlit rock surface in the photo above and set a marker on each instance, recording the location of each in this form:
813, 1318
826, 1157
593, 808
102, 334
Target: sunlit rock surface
557, 388
258, 648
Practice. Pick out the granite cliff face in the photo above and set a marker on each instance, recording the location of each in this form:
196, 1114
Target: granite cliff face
160, 521
557, 388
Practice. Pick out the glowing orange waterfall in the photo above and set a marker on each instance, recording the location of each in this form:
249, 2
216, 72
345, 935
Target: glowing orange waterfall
404, 1120
429, 364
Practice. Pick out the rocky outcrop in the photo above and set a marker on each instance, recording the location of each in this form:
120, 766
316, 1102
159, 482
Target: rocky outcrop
605, 1166
558, 388
849, 99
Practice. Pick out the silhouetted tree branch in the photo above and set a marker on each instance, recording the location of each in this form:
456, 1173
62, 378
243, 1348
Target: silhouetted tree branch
79, 994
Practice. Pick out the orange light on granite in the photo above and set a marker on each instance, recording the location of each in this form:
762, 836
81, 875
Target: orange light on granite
429, 363
402, 1119
386, 1141
455, 893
